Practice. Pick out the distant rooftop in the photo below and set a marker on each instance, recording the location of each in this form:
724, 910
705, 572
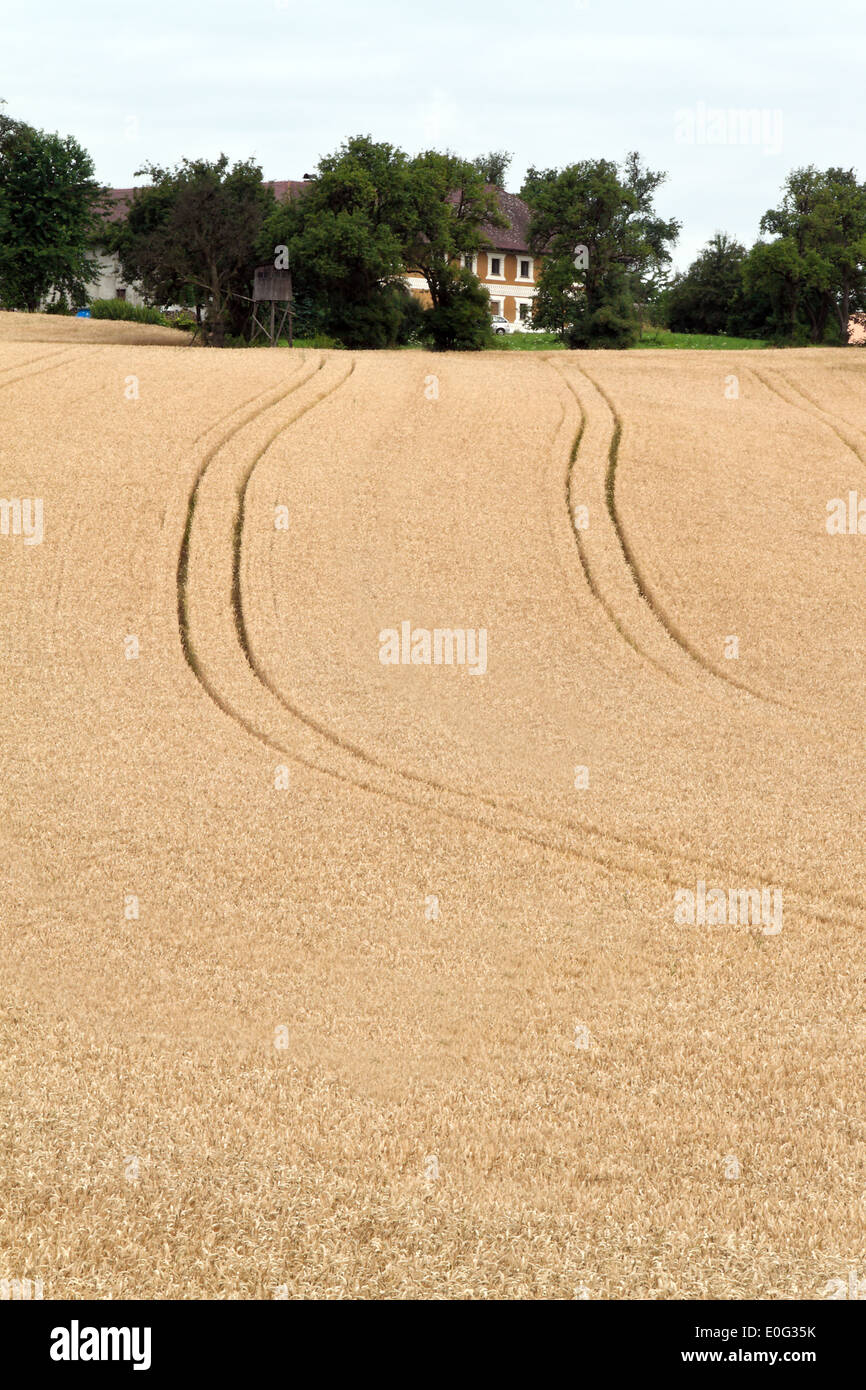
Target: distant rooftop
512, 238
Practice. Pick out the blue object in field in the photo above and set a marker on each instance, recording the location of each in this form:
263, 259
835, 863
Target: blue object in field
83, 314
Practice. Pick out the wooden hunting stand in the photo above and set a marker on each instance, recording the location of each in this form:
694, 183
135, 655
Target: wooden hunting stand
271, 288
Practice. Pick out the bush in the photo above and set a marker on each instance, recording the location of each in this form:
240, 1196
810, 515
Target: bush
122, 309
387, 319
612, 325
461, 322
180, 318
58, 306
318, 340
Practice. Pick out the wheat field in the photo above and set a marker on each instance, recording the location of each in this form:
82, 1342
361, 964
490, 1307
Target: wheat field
323, 977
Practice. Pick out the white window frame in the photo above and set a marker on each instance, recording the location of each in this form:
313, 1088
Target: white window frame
525, 279
474, 263
500, 255
496, 308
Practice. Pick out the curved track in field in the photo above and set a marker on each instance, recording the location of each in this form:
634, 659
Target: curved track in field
363, 771
631, 566
312, 743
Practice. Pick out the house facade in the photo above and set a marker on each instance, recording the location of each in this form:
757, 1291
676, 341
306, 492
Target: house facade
109, 282
508, 269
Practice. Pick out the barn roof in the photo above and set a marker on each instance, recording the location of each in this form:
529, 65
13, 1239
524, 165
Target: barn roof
514, 237
117, 201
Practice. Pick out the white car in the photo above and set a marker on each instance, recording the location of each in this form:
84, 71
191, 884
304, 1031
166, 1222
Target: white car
500, 324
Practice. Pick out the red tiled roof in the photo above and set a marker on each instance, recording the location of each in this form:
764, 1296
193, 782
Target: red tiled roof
287, 188
515, 237
119, 199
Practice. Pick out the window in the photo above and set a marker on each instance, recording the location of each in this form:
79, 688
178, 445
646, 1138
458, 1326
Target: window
470, 263
495, 269
525, 313
525, 268
496, 307
120, 293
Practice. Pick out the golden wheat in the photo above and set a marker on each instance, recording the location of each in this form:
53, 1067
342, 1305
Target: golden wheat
327, 978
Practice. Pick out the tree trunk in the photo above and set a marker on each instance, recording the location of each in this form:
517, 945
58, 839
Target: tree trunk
844, 311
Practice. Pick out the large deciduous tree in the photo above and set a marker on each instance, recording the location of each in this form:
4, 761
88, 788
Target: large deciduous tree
704, 299
344, 235
451, 206
602, 242
372, 214
48, 202
814, 271
191, 234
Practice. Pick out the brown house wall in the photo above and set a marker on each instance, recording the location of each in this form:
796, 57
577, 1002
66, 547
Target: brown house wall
499, 289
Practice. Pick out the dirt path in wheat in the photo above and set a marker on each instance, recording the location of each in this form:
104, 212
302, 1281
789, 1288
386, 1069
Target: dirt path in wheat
403, 1011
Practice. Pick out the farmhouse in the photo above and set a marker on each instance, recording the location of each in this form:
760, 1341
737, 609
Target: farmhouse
109, 282
507, 268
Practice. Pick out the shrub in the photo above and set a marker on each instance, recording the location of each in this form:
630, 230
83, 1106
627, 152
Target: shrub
180, 318
386, 319
613, 325
461, 322
57, 306
122, 309
318, 340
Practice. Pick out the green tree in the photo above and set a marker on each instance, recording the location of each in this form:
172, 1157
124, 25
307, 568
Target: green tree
344, 236
451, 207
493, 166
603, 246
787, 280
814, 272
461, 320
702, 300
48, 215
191, 235
647, 237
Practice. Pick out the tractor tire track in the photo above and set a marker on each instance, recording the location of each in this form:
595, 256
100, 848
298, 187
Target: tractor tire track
371, 774
591, 582
655, 608
813, 409
370, 765
64, 354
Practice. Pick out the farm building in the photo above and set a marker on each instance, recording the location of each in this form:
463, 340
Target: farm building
507, 268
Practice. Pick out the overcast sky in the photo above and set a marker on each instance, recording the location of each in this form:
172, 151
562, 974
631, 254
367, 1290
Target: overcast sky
286, 82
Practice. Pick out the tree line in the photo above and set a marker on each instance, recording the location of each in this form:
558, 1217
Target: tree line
799, 283
194, 233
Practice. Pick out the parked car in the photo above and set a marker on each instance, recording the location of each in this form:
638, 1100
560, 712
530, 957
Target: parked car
501, 325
